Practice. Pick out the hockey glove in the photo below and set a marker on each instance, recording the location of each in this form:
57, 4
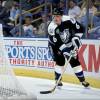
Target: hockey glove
67, 51
73, 53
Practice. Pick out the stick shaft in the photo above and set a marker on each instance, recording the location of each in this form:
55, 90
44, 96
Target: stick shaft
65, 66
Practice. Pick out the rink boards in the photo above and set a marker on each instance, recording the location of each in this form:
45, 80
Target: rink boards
31, 57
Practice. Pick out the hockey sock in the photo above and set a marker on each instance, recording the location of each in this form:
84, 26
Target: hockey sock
80, 76
79, 73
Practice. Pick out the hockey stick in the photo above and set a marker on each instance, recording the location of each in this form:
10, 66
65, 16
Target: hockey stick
53, 89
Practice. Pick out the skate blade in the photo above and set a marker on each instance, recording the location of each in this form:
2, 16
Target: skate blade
59, 87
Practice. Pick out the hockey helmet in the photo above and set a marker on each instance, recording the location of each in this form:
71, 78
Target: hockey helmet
57, 11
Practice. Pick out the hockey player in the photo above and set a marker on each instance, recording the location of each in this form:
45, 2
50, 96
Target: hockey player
63, 38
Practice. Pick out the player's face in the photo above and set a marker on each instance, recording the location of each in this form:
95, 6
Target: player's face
57, 19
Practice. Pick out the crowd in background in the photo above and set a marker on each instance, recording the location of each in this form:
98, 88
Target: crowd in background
16, 23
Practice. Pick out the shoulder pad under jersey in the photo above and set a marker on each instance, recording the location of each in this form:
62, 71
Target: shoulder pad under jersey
65, 18
51, 28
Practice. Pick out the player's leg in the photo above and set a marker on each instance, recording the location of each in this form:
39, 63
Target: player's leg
60, 62
75, 64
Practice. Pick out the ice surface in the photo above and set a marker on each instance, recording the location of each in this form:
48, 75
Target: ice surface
68, 91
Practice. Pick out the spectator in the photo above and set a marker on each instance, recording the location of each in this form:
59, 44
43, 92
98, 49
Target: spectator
16, 31
7, 3
4, 20
15, 11
55, 3
94, 33
96, 17
3, 14
63, 7
96, 21
27, 29
4, 2
42, 26
97, 4
92, 11
74, 10
29, 4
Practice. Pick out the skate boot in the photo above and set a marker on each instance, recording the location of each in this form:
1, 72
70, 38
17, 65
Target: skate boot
85, 84
57, 75
59, 84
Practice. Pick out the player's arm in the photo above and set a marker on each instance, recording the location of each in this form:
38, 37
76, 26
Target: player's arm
77, 32
54, 39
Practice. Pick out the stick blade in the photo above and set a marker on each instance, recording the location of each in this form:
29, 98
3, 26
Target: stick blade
45, 92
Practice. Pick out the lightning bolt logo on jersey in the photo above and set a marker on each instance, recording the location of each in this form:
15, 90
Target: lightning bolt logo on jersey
65, 35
